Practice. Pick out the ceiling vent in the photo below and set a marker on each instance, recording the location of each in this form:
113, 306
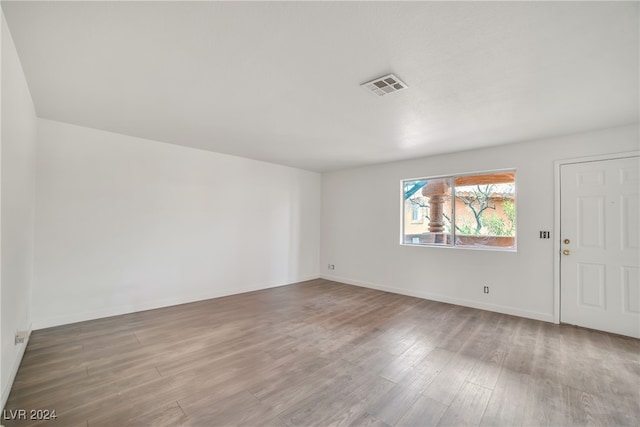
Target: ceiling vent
384, 85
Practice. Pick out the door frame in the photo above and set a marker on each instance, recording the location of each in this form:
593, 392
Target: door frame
556, 220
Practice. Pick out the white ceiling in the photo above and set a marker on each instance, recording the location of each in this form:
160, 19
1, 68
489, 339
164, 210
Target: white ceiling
280, 81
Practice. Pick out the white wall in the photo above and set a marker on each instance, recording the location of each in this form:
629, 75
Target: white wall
125, 224
17, 208
361, 211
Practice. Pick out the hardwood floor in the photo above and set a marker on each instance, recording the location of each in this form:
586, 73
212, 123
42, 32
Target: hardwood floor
321, 353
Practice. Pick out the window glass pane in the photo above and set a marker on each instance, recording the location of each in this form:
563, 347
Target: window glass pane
431, 198
485, 210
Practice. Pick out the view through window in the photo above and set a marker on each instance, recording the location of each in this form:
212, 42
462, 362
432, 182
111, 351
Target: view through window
474, 210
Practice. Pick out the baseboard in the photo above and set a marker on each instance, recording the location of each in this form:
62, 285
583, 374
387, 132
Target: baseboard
6, 389
545, 317
152, 305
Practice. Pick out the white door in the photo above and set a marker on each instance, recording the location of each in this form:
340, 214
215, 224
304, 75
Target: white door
600, 237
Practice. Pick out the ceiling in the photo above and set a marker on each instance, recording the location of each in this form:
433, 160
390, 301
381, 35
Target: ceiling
279, 81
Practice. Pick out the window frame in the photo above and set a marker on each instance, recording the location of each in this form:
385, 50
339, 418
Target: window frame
453, 244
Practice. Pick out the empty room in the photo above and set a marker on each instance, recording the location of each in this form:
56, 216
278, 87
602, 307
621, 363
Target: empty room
303, 213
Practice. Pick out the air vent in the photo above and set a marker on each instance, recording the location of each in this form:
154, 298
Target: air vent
384, 85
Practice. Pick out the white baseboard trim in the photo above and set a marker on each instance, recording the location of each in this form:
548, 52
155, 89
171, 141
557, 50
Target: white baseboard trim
151, 305
545, 317
6, 389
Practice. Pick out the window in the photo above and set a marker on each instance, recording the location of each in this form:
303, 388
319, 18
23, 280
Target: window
416, 214
473, 210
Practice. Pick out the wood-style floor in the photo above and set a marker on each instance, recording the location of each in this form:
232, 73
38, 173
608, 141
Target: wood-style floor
321, 353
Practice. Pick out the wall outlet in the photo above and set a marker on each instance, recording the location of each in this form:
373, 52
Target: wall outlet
331, 267
486, 289
21, 336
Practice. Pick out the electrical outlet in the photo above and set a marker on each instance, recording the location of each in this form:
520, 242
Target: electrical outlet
486, 289
331, 267
545, 234
21, 336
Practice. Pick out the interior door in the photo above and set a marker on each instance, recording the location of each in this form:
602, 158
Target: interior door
600, 234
